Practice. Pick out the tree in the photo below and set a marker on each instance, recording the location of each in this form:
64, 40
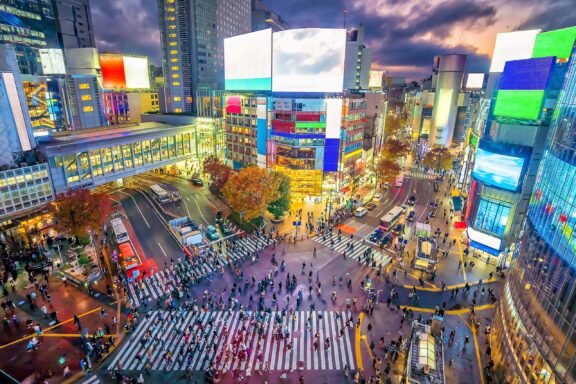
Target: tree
219, 173
251, 191
438, 158
388, 170
282, 204
394, 149
77, 211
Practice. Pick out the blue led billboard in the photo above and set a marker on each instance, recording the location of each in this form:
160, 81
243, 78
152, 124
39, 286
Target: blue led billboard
529, 74
497, 170
331, 151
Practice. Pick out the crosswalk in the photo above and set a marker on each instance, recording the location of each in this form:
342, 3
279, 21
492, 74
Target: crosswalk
357, 252
225, 331
419, 174
91, 380
167, 280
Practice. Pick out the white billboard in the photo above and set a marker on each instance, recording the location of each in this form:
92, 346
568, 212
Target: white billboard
308, 60
136, 71
375, 79
248, 61
333, 118
512, 46
52, 61
475, 81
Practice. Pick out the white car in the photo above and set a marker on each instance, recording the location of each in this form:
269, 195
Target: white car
360, 211
386, 186
377, 197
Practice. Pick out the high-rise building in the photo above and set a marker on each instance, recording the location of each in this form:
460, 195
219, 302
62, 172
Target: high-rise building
534, 335
74, 23
450, 72
264, 18
192, 36
358, 60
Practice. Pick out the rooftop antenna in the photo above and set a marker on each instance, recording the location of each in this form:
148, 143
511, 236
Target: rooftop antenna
345, 13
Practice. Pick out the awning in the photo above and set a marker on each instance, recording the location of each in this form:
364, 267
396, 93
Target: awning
484, 248
345, 190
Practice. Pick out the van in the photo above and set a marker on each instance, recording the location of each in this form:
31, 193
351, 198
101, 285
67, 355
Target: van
360, 211
377, 197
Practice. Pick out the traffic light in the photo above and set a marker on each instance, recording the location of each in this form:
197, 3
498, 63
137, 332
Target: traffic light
61, 359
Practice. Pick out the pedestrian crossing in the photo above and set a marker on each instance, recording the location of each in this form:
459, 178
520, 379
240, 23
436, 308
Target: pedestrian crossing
311, 340
357, 253
418, 174
168, 280
91, 380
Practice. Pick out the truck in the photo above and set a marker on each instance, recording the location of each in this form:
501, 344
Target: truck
186, 231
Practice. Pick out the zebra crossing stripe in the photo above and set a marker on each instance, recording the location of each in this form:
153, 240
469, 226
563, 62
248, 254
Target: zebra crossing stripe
133, 339
91, 380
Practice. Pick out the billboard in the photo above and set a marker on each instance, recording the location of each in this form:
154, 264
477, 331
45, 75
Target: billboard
308, 60
484, 239
528, 74
557, 43
512, 46
497, 170
52, 61
375, 79
248, 61
519, 104
125, 72
475, 81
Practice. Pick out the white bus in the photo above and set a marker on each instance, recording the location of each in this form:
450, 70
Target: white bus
119, 230
399, 180
391, 218
159, 194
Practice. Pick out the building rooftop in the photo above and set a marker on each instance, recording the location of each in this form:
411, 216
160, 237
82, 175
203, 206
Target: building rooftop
426, 357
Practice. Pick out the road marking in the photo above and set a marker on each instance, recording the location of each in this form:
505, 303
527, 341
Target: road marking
357, 339
477, 350
461, 261
138, 207
162, 249
201, 214
456, 312
208, 200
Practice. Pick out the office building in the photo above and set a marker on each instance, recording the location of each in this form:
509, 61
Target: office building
192, 36
358, 60
140, 103
264, 18
534, 334
448, 84
74, 23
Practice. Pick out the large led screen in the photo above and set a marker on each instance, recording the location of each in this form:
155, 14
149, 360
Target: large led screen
497, 170
512, 46
52, 61
248, 61
519, 104
557, 43
136, 72
528, 74
113, 71
475, 81
308, 60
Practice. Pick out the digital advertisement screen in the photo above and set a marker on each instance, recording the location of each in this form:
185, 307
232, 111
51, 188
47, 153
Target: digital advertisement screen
557, 43
136, 72
497, 170
519, 104
248, 61
375, 79
113, 71
475, 81
52, 61
528, 74
512, 46
308, 60
484, 239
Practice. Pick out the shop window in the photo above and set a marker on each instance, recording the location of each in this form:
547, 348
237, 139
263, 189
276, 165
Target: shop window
492, 216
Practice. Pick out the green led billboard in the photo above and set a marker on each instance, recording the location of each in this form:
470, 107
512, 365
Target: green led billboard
519, 104
557, 43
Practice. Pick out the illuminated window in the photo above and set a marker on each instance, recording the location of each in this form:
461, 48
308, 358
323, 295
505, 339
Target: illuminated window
171, 9
171, 18
174, 60
173, 43
177, 98
173, 51
175, 75
176, 83
86, 97
175, 68
177, 110
88, 108
84, 86
172, 35
172, 26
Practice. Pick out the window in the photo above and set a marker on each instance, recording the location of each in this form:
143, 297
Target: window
172, 26
175, 68
88, 108
173, 43
86, 97
172, 35
492, 216
84, 86
177, 110
177, 98
173, 51
176, 83
175, 75
174, 60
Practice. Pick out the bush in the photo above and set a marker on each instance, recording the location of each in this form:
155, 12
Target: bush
83, 260
246, 225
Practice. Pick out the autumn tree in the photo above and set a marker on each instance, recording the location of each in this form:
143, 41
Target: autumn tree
395, 149
219, 172
387, 169
279, 206
438, 158
251, 191
77, 211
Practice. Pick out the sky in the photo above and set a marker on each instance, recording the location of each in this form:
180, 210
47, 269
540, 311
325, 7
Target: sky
404, 35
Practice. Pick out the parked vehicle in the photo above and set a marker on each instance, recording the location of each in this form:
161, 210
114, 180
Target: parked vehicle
370, 206
377, 197
196, 181
360, 212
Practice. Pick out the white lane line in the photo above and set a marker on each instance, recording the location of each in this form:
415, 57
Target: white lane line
201, 214
138, 207
162, 249
208, 200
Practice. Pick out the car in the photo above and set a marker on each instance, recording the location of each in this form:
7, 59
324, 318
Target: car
377, 197
433, 212
434, 204
386, 186
412, 200
376, 235
360, 211
197, 181
219, 215
436, 186
225, 229
411, 216
404, 207
385, 240
398, 229
370, 206
211, 233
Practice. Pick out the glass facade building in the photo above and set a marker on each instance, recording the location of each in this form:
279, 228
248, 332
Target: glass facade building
24, 188
535, 334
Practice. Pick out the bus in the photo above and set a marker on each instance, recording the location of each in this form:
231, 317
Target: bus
159, 194
399, 180
119, 230
391, 218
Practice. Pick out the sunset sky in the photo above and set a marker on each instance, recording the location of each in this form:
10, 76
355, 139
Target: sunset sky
405, 35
